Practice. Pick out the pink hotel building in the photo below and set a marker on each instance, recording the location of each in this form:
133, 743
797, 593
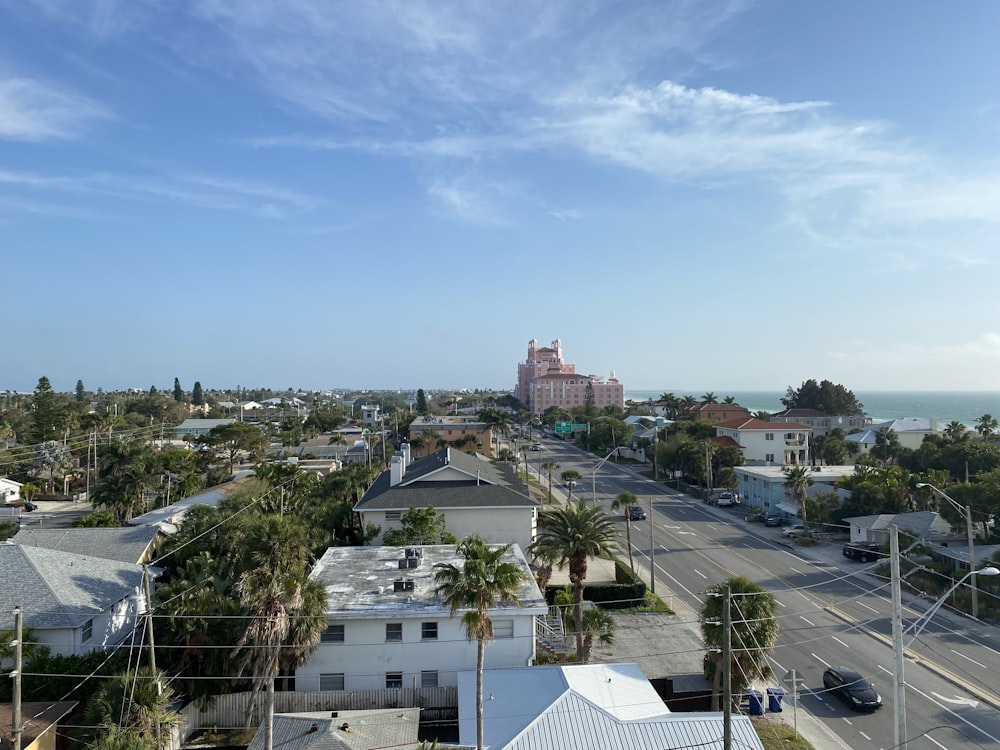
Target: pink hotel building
544, 380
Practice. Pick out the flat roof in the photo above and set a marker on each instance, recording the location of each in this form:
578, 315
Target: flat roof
818, 473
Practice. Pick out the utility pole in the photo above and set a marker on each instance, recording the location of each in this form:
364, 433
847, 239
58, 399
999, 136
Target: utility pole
15, 713
652, 552
899, 734
727, 670
152, 650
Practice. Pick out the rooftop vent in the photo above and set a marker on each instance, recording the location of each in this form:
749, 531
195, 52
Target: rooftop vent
402, 584
409, 563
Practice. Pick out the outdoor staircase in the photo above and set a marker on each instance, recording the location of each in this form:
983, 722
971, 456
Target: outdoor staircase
551, 635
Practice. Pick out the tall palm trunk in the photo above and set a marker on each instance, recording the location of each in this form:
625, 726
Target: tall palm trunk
480, 663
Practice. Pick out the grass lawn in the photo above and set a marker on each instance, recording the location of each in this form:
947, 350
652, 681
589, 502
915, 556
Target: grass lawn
776, 735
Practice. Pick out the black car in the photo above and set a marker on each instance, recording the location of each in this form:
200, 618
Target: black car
24, 505
862, 551
635, 513
772, 519
852, 688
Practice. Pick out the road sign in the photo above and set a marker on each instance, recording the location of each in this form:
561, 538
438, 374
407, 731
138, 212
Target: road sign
792, 678
564, 428
581, 427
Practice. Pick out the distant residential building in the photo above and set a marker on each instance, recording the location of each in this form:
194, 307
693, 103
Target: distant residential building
474, 495
821, 422
764, 486
458, 430
371, 414
387, 628
9, 490
910, 431
199, 427
766, 442
545, 380
717, 412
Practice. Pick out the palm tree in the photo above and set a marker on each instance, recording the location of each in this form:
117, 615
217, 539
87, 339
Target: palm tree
573, 534
483, 581
570, 477
955, 430
549, 467
136, 704
729, 400
428, 438
986, 425
754, 629
597, 623
797, 479
625, 500
709, 398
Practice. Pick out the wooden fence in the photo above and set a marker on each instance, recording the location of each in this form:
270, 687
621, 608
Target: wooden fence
228, 711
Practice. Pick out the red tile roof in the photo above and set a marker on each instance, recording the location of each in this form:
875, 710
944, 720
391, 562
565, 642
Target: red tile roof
753, 423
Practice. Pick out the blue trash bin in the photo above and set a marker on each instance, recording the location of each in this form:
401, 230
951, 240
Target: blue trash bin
756, 702
774, 696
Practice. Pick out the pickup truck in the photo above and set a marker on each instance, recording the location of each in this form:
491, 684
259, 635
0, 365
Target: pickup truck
862, 551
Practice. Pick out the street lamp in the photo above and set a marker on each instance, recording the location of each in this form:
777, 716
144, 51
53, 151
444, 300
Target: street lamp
921, 622
593, 478
967, 511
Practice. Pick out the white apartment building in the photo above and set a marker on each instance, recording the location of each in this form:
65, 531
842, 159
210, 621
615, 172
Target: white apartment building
763, 443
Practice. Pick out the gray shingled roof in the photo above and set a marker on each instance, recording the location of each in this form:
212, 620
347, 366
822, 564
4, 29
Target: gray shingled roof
926, 524
396, 728
127, 544
60, 589
489, 485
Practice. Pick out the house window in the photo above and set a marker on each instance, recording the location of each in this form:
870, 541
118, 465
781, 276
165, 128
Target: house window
769, 457
503, 628
394, 631
88, 630
393, 680
428, 631
393, 515
331, 681
429, 678
769, 436
333, 634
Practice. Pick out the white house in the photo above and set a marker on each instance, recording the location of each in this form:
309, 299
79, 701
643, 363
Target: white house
73, 603
388, 629
763, 443
910, 431
586, 706
9, 490
473, 494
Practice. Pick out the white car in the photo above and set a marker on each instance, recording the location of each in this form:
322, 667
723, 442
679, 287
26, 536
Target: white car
726, 499
536, 447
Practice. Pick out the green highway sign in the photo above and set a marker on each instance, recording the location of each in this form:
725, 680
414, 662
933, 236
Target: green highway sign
564, 428
581, 427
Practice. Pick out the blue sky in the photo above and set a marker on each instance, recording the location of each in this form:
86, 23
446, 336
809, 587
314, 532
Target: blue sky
291, 193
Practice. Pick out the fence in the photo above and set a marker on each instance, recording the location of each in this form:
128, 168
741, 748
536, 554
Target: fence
229, 711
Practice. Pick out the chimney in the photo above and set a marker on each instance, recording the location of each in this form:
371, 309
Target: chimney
405, 450
397, 469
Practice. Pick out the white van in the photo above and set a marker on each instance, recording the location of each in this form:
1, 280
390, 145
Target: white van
726, 499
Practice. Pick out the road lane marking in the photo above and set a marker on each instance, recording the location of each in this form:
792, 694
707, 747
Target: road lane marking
864, 735
862, 604
847, 720
807, 621
799, 572
955, 714
957, 700
781, 604
887, 671
700, 573
818, 659
980, 664
935, 742
840, 641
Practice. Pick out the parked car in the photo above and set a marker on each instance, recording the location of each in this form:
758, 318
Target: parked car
852, 688
635, 513
862, 551
726, 499
772, 519
24, 505
536, 447
796, 530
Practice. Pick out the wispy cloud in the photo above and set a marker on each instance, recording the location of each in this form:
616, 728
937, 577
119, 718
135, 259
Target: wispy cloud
32, 110
202, 191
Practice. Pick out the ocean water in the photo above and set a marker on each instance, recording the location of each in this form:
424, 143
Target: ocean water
944, 406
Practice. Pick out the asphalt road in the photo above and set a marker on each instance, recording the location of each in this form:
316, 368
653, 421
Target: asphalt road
833, 613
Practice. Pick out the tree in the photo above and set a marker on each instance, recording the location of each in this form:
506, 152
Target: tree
419, 526
956, 430
421, 405
51, 457
626, 500
483, 581
598, 624
797, 480
136, 705
197, 394
755, 628
729, 400
826, 396
234, 438
44, 412
986, 425
178, 391
570, 478
588, 400
549, 467
573, 534
709, 398
886, 444
81, 394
